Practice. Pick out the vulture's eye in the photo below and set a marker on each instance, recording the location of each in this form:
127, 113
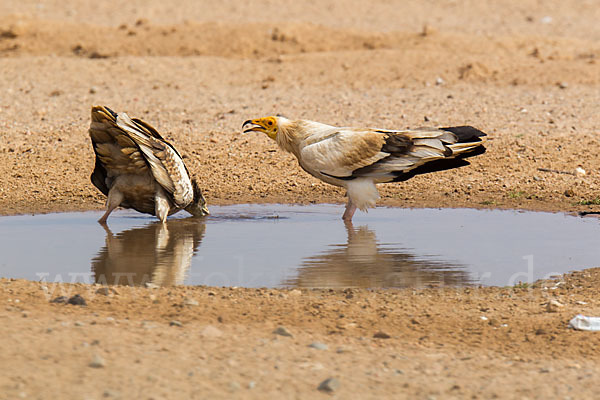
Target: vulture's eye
270, 122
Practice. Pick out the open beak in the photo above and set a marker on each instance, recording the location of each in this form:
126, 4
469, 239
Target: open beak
252, 125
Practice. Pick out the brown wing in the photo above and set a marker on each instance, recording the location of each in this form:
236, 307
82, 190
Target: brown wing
164, 161
115, 152
126, 146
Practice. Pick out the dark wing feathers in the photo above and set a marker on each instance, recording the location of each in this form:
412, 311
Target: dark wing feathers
465, 133
396, 144
429, 152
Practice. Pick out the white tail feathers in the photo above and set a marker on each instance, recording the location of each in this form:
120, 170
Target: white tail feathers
363, 193
459, 148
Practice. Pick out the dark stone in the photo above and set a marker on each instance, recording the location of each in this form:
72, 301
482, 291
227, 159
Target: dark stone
77, 300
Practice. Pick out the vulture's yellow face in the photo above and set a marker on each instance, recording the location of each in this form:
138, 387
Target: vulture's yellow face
266, 125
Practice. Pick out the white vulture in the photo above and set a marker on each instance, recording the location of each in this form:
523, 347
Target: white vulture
136, 168
357, 159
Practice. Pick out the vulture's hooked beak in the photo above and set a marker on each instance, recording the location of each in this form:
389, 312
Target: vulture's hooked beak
253, 125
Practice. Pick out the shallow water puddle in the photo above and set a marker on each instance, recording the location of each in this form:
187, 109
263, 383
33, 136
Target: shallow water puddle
300, 246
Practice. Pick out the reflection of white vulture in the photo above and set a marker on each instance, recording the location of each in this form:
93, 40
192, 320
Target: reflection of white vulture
362, 262
357, 159
136, 168
157, 253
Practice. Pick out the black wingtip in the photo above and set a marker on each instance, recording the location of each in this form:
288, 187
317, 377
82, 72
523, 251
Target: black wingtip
466, 133
114, 114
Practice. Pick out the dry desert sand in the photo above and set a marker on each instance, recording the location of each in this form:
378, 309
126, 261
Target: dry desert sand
526, 72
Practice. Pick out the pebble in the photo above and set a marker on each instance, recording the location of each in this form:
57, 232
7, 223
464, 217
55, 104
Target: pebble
318, 346
439, 81
151, 285
79, 323
77, 300
59, 299
329, 385
553, 306
295, 292
210, 331
106, 291
97, 362
111, 393
381, 335
281, 331
580, 171
190, 302
148, 325
175, 323
251, 385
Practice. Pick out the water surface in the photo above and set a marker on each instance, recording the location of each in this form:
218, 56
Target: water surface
300, 246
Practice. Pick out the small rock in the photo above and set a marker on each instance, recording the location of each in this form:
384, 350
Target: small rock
151, 285
580, 171
281, 331
79, 323
93, 90
77, 300
190, 302
580, 303
59, 299
562, 85
251, 385
546, 20
210, 331
295, 292
545, 370
234, 386
111, 393
381, 335
329, 385
553, 306
318, 346
341, 350
439, 81
569, 193
106, 291
97, 362
148, 325
175, 323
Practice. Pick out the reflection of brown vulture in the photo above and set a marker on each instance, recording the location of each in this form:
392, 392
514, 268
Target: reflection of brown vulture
156, 253
364, 263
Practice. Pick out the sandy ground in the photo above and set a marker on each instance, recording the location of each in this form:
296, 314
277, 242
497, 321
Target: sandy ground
528, 73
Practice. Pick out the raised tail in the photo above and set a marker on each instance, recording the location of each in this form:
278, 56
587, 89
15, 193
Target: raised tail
470, 140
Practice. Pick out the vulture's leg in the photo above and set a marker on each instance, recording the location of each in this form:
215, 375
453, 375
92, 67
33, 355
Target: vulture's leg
349, 213
114, 199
